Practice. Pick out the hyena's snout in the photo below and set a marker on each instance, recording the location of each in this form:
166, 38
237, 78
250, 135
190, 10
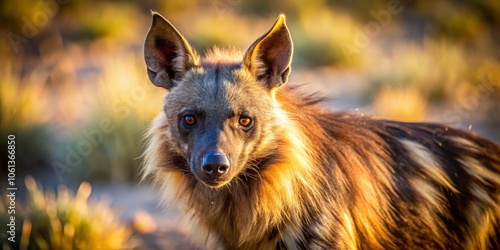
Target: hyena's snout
212, 158
212, 168
214, 165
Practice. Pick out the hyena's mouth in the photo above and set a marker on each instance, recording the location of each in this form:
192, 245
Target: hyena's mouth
215, 183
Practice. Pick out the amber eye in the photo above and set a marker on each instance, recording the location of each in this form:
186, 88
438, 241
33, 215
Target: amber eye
245, 121
189, 120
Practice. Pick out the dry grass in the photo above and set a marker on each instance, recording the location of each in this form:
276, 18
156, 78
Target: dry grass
72, 89
409, 78
24, 100
68, 221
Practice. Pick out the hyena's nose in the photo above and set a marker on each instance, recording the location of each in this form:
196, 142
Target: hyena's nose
215, 164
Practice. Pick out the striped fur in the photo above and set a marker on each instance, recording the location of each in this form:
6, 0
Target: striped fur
309, 178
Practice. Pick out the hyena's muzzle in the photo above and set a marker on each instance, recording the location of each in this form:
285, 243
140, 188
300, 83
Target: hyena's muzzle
210, 159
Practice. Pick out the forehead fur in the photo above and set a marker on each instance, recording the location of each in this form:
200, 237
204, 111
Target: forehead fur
220, 83
222, 56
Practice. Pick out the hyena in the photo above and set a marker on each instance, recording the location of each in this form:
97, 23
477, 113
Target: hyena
257, 165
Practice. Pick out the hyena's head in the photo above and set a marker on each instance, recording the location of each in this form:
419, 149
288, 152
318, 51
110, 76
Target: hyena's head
219, 108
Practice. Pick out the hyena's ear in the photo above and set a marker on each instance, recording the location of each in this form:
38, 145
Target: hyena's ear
168, 55
270, 56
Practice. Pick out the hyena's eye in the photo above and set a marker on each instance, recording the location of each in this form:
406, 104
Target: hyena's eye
245, 121
189, 120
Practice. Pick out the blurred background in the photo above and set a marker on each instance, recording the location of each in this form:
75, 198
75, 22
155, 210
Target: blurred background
74, 92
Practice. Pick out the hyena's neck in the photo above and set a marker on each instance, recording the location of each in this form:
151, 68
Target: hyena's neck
363, 179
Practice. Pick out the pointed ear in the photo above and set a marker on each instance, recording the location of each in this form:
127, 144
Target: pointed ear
167, 54
270, 56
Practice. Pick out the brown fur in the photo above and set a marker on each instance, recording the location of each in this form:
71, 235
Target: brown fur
308, 178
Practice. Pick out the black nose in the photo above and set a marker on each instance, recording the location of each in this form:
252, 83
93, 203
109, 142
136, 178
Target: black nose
215, 164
